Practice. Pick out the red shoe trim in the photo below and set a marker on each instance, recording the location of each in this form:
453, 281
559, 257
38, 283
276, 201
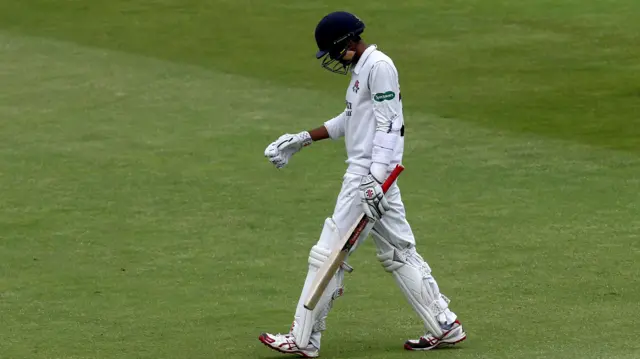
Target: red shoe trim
262, 339
265, 338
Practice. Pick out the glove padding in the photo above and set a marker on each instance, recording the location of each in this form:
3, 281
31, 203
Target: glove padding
280, 151
374, 203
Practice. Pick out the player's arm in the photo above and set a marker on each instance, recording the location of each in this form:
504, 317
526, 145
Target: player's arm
319, 134
335, 126
280, 151
333, 129
385, 93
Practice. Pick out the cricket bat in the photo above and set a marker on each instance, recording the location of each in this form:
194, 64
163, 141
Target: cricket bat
329, 268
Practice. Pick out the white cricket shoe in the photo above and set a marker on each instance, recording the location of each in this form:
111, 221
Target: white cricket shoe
453, 334
285, 343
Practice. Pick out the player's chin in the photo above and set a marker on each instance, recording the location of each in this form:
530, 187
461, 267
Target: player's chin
348, 57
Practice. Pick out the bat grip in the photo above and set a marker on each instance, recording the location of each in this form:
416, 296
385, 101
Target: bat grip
392, 178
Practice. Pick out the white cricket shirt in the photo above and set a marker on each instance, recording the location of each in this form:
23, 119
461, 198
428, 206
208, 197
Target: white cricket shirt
373, 104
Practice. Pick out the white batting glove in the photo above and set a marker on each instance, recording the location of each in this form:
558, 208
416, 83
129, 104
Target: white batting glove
280, 151
374, 203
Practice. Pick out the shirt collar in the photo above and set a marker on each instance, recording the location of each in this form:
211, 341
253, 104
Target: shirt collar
363, 58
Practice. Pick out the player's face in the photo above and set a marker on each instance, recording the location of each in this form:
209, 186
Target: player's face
340, 60
349, 53
348, 56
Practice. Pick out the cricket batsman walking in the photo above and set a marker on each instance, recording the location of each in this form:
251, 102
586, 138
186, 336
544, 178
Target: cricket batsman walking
372, 125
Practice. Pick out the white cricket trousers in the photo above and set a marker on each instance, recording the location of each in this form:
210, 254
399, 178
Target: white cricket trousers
393, 226
392, 234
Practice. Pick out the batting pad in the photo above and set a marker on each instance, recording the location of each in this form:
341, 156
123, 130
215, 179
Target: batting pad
308, 325
413, 276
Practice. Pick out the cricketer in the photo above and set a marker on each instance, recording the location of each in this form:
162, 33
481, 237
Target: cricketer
372, 125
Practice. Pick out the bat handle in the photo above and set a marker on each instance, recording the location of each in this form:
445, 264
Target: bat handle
392, 177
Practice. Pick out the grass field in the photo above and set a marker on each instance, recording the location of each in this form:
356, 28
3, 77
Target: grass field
139, 218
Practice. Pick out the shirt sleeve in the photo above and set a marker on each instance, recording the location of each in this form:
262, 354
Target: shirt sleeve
335, 126
387, 109
385, 93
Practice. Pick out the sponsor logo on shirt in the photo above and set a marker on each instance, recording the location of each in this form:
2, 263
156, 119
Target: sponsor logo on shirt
389, 95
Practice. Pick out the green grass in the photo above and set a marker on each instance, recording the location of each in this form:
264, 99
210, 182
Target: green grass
561, 68
139, 219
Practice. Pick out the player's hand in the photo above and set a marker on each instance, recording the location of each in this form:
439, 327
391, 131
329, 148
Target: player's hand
374, 203
280, 151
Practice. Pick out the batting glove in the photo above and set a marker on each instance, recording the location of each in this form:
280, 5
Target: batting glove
280, 151
374, 203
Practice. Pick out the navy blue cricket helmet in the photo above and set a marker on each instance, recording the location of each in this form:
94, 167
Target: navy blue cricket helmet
333, 34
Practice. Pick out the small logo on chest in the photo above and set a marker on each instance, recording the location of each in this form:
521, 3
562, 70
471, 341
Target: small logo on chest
356, 86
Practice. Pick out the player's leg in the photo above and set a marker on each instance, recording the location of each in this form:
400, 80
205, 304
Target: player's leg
308, 326
396, 250
306, 330
304, 336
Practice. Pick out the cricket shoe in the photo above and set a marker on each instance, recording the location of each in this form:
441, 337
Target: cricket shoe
452, 334
285, 343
